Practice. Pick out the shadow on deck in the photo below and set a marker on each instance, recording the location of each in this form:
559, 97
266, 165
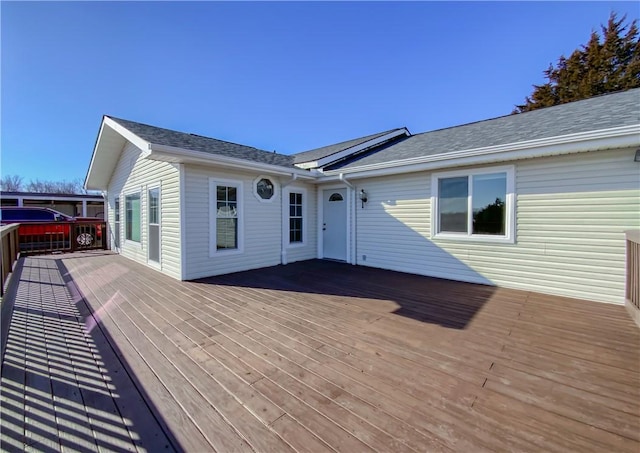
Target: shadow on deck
107, 354
424, 299
63, 384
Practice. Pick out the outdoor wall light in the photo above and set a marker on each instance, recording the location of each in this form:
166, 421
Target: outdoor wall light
363, 197
637, 158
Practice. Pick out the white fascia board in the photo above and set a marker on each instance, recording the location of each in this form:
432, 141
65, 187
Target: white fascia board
87, 185
107, 128
181, 155
127, 134
353, 150
619, 137
308, 165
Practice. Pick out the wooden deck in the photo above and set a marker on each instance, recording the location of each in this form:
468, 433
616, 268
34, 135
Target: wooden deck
316, 356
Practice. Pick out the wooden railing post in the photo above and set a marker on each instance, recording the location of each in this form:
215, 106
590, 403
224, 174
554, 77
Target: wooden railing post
10, 252
632, 280
104, 236
73, 238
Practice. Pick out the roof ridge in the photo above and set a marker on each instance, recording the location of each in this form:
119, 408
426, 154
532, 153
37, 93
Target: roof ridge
194, 135
368, 136
525, 113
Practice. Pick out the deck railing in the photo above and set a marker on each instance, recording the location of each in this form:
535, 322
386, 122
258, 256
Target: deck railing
10, 252
48, 237
633, 268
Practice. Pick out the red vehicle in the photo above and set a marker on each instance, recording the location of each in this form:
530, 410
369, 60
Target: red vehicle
46, 228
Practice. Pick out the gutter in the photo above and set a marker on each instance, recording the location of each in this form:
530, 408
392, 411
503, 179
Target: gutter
620, 137
175, 154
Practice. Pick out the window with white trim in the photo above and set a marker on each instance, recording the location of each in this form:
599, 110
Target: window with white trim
132, 217
226, 216
296, 219
474, 204
116, 212
264, 189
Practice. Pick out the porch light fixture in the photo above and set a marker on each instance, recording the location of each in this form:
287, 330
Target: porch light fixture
363, 197
637, 158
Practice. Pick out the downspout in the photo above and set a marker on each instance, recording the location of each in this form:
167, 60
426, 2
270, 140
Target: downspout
345, 182
283, 210
294, 176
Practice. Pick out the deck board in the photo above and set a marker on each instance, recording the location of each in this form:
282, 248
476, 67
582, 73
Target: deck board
63, 388
317, 356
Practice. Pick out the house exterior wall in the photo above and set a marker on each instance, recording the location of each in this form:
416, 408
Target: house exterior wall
261, 224
133, 174
571, 215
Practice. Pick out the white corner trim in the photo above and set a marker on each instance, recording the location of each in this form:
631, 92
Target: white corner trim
183, 223
352, 150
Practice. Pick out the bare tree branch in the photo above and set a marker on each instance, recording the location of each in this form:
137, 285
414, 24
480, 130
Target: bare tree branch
11, 183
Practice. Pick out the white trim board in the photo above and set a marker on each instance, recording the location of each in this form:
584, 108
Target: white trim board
324, 161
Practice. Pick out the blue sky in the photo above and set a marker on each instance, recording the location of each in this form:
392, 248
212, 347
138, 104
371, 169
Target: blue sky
278, 76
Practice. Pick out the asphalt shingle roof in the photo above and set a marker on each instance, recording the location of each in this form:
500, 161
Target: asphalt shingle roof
167, 137
601, 112
325, 151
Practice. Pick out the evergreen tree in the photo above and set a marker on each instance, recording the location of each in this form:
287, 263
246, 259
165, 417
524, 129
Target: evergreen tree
607, 63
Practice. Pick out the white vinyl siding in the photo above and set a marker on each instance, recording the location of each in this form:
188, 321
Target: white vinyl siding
571, 214
135, 174
261, 230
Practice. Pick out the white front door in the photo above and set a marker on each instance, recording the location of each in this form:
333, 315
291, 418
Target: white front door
334, 224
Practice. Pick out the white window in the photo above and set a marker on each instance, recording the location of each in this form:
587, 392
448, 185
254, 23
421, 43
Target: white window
296, 219
132, 217
264, 189
226, 216
294, 216
153, 221
116, 213
474, 204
